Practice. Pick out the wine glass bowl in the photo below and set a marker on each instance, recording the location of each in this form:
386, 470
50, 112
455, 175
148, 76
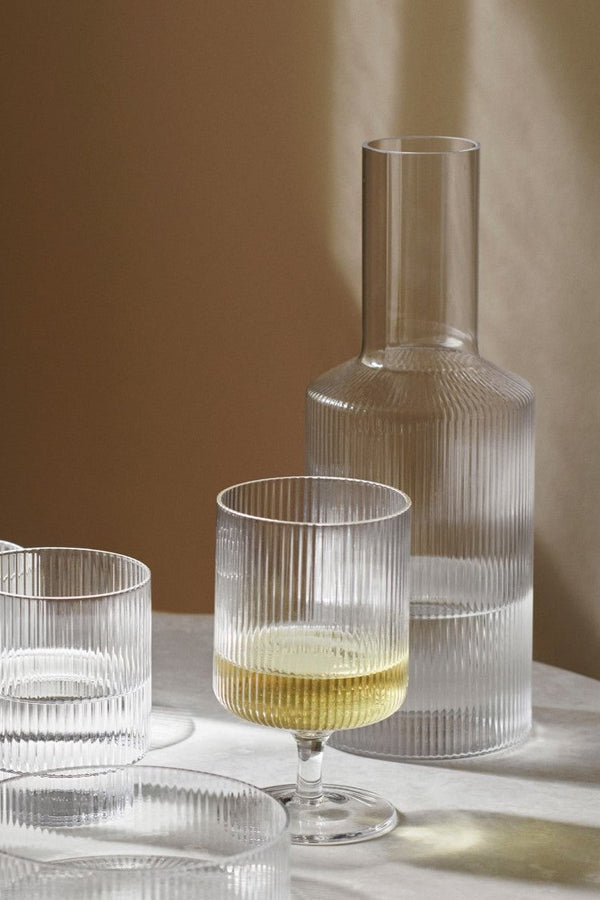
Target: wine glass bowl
311, 628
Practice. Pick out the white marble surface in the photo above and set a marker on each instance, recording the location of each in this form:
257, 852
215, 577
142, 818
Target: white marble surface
523, 823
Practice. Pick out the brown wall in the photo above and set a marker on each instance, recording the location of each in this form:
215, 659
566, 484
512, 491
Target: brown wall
168, 291
181, 254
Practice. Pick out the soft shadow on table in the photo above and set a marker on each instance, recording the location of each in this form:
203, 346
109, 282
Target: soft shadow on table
500, 846
563, 746
168, 726
306, 888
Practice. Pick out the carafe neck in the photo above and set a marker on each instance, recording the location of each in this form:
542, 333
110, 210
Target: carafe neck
420, 253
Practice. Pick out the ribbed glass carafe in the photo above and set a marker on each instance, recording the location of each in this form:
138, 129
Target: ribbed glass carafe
420, 409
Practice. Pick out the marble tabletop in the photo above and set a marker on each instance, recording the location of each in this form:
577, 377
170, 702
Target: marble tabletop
523, 823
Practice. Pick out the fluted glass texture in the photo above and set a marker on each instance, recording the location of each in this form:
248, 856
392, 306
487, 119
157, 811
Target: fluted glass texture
141, 833
75, 658
422, 410
310, 611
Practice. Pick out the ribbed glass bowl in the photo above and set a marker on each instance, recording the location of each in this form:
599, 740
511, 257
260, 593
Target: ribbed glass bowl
140, 832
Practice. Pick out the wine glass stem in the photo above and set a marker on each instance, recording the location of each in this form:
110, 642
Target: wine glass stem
309, 787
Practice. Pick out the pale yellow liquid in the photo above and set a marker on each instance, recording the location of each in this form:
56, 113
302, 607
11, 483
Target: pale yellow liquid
306, 678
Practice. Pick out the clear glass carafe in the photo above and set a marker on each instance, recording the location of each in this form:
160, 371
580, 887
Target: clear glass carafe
420, 409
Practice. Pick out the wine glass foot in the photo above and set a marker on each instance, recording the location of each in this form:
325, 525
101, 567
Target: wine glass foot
343, 815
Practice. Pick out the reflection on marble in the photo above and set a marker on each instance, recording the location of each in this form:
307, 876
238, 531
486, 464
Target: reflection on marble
499, 845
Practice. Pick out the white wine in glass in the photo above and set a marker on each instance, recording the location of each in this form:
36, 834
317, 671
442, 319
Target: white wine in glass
311, 628
308, 678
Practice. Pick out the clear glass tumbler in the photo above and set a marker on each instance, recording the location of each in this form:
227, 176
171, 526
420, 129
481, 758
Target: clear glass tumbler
311, 628
75, 658
140, 833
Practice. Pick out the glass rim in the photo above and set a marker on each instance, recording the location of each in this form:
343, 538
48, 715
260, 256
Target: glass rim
143, 579
449, 145
214, 865
6, 546
344, 523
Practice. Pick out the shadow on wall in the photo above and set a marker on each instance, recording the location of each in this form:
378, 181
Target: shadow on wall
540, 177
565, 631
567, 576
434, 68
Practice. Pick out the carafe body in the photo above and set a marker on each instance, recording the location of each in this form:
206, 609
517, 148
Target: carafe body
421, 409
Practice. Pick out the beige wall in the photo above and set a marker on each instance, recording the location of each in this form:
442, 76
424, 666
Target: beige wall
181, 255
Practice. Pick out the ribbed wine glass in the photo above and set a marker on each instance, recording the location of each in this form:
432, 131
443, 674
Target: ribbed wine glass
311, 628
